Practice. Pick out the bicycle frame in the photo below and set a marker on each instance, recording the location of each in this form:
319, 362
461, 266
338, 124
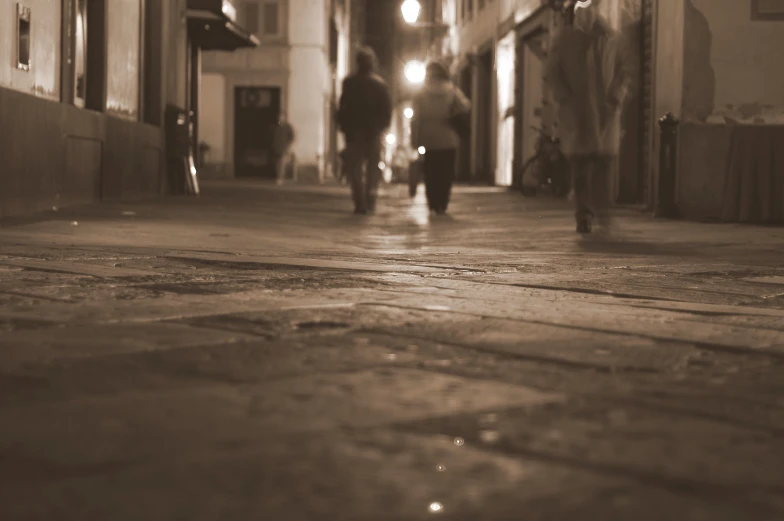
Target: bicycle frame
549, 163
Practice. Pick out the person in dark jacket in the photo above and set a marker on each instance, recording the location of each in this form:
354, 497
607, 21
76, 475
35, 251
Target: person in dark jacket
365, 113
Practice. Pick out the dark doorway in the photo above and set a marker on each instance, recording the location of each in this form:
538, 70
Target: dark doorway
92, 88
484, 130
464, 152
635, 120
256, 114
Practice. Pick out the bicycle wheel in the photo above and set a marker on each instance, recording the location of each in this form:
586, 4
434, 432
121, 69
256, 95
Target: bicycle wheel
529, 176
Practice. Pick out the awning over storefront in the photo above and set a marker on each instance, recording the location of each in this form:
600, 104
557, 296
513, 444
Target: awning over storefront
213, 26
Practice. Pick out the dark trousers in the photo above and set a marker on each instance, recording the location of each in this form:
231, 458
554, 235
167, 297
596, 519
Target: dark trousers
439, 173
591, 180
362, 160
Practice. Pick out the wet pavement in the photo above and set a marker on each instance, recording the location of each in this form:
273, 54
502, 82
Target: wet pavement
262, 353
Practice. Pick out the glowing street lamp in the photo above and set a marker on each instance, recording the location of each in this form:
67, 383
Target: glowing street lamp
415, 71
391, 139
411, 10
408, 112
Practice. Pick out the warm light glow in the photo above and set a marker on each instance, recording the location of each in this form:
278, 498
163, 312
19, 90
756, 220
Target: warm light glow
505, 60
415, 72
408, 113
391, 139
436, 507
583, 4
421, 151
229, 10
382, 166
411, 10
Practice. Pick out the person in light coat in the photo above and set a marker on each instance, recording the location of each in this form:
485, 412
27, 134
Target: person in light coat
434, 106
588, 72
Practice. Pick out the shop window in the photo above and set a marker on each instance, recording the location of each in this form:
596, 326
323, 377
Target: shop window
84, 50
80, 53
262, 18
152, 64
23, 21
95, 55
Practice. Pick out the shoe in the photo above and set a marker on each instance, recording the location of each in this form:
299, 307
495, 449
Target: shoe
584, 227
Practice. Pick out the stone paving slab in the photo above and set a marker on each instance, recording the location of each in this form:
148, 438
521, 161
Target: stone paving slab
269, 355
60, 341
643, 323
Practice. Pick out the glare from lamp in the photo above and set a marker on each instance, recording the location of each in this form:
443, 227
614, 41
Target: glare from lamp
408, 113
415, 71
421, 151
411, 10
391, 139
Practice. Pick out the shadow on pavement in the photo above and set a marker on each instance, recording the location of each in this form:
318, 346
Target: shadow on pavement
636, 247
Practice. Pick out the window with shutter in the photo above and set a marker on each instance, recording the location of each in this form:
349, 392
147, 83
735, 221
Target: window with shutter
271, 21
252, 17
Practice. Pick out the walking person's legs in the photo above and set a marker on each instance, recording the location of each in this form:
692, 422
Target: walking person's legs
355, 160
429, 174
372, 160
438, 176
581, 177
291, 165
601, 189
591, 176
280, 169
447, 162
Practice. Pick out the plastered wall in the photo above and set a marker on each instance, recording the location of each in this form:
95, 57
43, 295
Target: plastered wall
481, 29
43, 78
308, 87
299, 66
213, 116
737, 63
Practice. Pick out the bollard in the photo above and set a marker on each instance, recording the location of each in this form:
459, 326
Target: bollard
668, 167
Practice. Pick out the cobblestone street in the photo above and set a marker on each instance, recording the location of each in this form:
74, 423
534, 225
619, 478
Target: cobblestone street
261, 353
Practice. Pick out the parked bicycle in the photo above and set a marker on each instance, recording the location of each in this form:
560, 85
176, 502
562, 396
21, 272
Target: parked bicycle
547, 172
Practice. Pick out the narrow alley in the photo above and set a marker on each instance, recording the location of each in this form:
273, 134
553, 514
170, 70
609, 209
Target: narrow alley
261, 353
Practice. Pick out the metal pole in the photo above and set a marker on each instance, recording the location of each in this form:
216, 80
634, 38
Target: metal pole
668, 167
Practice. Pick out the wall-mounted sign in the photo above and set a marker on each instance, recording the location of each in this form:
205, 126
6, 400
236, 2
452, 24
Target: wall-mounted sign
767, 9
23, 37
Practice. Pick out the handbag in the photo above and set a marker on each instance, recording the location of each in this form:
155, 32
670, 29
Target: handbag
459, 120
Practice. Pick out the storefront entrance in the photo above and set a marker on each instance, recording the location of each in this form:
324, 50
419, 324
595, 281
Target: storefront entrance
531, 108
256, 114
